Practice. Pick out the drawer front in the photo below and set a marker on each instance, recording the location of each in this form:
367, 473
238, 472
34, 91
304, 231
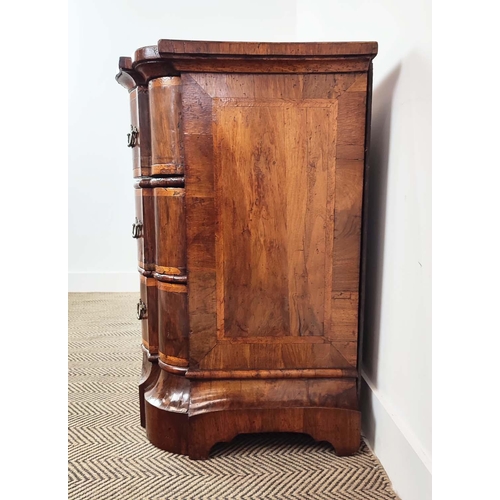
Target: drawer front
139, 135
147, 313
166, 126
143, 228
170, 228
173, 323
138, 227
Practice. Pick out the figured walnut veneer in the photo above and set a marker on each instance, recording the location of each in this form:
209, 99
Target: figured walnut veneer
250, 165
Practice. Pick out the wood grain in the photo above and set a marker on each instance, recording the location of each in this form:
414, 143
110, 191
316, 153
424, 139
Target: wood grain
200, 216
251, 198
233, 394
166, 144
298, 49
251, 263
286, 218
146, 246
340, 427
149, 324
139, 215
127, 76
175, 57
270, 374
149, 376
170, 228
140, 118
166, 407
173, 326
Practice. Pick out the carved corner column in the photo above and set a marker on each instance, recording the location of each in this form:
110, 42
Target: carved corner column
167, 400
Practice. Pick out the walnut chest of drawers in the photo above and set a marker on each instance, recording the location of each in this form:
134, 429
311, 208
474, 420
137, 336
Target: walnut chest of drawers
249, 167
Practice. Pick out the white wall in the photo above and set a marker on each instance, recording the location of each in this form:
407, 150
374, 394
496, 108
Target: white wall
397, 347
397, 355
102, 253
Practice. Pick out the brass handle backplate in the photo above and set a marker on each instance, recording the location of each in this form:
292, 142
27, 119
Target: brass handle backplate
132, 137
137, 228
141, 309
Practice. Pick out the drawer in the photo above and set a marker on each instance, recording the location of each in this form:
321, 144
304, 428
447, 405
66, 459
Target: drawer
170, 229
173, 326
166, 145
143, 228
139, 135
147, 313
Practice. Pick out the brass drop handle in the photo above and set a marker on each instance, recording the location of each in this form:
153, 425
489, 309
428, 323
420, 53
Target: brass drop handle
132, 137
141, 309
137, 228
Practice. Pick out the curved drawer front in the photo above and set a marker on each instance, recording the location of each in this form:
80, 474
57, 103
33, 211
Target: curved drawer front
147, 313
139, 135
173, 324
165, 106
170, 228
143, 228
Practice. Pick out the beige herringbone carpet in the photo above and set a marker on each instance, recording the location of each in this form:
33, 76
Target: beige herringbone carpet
110, 457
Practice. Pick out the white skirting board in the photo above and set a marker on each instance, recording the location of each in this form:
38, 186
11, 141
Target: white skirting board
400, 453
103, 282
